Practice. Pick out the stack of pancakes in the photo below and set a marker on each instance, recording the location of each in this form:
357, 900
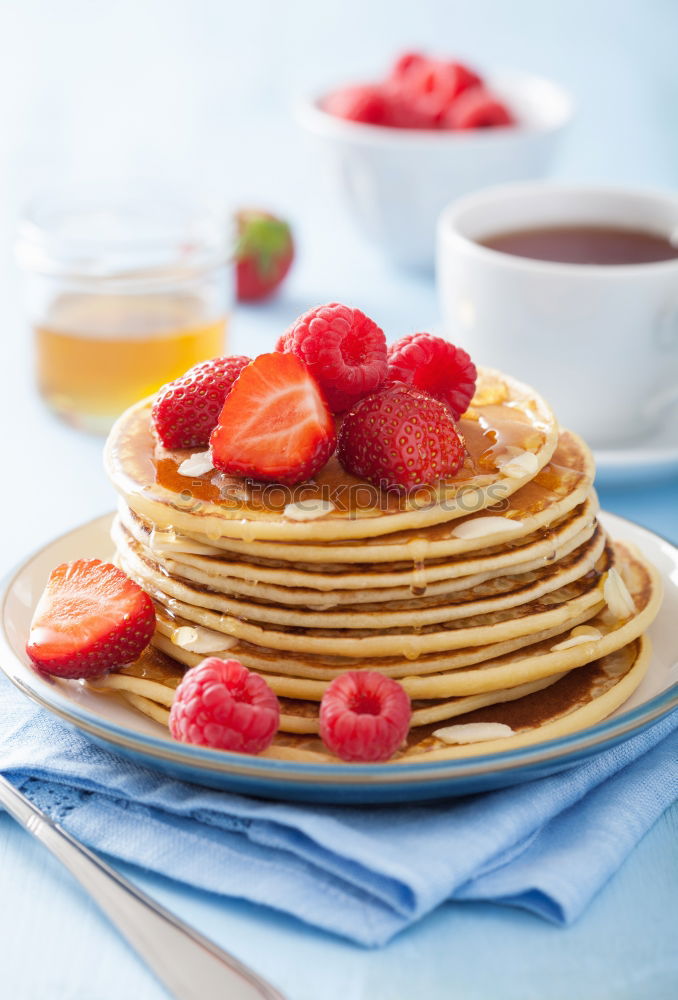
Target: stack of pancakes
494, 597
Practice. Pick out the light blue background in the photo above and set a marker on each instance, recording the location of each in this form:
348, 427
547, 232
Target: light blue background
199, 93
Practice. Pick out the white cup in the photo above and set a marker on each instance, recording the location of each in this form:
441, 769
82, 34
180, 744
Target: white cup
600, 342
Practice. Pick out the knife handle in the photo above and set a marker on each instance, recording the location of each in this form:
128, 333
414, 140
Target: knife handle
188, 964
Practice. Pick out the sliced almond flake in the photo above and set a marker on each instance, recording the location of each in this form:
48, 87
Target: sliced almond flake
578, 636
308, 510
197, 464
197, 639
474, 732
162, 539
617, 595
520, 466
478, 527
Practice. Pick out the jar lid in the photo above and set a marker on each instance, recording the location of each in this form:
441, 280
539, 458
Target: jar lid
121, 236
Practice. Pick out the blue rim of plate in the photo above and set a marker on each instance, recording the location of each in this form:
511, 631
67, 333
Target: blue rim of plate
593, 739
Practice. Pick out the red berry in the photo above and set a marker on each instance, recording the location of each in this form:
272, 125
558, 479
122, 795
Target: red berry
364, 716
263, 254
478, 108
364, 103
446, 79
422, 90
221, 704
344, 350
89, 619
406, 108
400, 438
275, 424
406, 64
435, 366
186, 410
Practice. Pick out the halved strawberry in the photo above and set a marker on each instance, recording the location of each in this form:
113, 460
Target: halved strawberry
275, 424
89, 619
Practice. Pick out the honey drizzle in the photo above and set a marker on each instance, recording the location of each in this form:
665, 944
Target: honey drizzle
494, 432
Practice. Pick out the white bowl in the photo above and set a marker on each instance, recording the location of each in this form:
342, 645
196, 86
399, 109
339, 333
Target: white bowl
397, 181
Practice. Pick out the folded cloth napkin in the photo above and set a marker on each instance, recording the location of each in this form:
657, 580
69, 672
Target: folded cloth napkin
363, 872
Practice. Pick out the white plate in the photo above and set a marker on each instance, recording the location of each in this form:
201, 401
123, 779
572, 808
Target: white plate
116, 725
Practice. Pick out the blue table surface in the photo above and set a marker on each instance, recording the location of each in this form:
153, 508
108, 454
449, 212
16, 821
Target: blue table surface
54, 943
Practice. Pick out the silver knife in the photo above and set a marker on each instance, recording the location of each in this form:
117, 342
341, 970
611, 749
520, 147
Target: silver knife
188, 964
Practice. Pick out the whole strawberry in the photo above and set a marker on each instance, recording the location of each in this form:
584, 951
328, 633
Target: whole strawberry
90, 618
400, 438
186, 411
264, 252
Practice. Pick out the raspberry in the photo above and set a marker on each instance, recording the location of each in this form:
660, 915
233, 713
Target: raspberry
365, 103
343, 349
477, 108
186, 410
435, 366
221, 704
364, 716
400, 438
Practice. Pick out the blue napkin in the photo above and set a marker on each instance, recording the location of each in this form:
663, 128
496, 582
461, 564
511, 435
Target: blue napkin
364, 873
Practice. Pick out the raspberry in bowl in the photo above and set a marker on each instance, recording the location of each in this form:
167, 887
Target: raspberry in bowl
429, 131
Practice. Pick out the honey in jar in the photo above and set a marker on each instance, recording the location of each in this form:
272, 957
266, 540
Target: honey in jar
123, 296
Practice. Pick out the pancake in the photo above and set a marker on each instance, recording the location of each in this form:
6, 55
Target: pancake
577, 701
509, 431
558, 488
491, 595
551, 609
290, 585
572, 701
541, 658
150, 683
172, 632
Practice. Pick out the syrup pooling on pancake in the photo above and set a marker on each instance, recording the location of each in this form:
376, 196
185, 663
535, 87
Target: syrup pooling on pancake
508, 420
562, 485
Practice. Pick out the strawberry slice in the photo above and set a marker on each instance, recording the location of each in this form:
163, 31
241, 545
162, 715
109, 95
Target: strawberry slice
89, 619
275, 423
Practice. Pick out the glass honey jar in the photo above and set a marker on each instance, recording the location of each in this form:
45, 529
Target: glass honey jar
125, 292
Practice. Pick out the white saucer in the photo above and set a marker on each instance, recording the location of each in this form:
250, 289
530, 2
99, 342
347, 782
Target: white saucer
653, 458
